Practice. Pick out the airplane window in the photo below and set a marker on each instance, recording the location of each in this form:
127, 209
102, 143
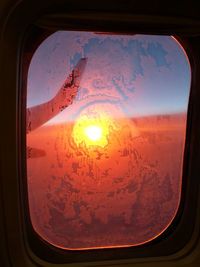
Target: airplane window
106, 121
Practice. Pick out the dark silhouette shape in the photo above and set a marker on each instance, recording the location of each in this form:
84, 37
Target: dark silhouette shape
38, 115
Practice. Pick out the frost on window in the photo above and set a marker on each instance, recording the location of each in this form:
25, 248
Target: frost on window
106, 120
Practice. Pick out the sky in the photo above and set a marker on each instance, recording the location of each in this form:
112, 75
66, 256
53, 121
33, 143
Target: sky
141, 75
122, 188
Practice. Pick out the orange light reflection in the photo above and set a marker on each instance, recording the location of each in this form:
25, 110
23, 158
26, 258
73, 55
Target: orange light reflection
93, 131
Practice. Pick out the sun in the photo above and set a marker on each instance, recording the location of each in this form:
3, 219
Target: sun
93, 132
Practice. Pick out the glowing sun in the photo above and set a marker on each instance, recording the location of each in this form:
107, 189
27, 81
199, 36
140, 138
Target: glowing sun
93, 132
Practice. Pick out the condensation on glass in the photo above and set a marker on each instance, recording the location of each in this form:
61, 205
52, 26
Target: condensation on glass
106, 121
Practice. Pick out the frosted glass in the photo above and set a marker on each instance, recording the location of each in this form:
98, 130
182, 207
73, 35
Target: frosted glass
106, 121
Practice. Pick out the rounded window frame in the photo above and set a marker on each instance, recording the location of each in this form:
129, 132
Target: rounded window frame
160, 246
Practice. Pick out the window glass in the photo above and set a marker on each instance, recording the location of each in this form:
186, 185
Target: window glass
106, 120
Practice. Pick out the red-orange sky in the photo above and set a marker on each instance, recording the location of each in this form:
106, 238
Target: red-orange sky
124, 188
122, 194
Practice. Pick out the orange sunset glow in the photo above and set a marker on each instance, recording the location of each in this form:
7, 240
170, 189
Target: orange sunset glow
106, 120
91, 131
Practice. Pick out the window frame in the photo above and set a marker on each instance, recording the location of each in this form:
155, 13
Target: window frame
163, 249
61, 255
